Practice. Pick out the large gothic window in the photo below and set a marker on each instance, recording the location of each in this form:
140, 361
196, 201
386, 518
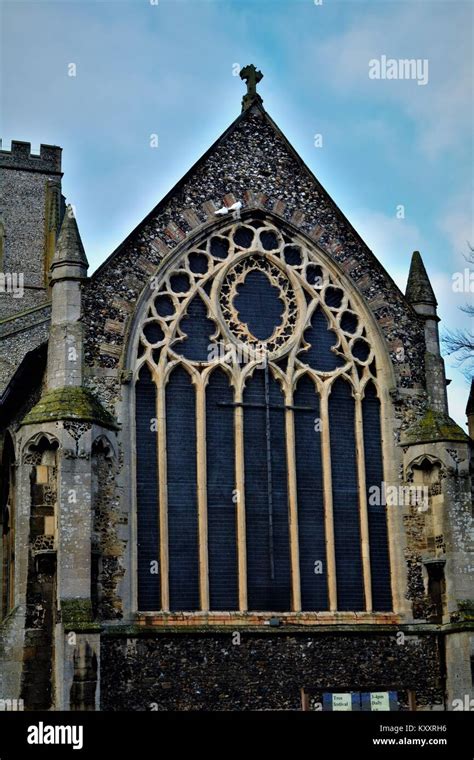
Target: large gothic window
258, 435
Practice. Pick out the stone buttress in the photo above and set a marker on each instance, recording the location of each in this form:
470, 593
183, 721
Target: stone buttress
56, 440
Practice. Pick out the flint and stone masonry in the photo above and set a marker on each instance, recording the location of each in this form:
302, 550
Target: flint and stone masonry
72, 634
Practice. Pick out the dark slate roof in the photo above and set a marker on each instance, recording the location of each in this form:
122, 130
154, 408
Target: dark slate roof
419, 288
23, 384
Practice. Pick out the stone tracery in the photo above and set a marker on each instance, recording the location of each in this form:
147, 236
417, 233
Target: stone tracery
314, 331
213, 273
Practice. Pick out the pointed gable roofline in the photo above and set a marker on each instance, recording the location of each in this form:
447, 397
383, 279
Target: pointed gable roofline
161, 205
253, 162
256, 108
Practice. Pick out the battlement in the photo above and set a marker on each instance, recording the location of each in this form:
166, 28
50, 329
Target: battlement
48, 161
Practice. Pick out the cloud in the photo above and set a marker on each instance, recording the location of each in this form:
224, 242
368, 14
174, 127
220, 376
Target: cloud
392, 240
167, 69
457, 224
438, 32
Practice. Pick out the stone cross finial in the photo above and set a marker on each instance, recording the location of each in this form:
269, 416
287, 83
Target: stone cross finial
252, 77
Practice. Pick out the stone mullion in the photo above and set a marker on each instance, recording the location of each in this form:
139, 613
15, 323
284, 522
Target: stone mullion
163, 492
328, 501
363, 512
293, 503
240, 494
201, 468
395, 532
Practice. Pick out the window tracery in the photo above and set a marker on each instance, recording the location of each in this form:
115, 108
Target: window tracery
250, 334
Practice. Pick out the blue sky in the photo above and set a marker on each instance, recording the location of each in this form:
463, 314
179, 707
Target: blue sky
167, 68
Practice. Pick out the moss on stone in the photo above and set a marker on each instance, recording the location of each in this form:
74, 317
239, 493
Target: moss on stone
89, 627
466, 609
145, 631
76, 611
434, 426
70, 403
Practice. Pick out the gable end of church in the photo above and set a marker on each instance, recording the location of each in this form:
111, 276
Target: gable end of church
228, 454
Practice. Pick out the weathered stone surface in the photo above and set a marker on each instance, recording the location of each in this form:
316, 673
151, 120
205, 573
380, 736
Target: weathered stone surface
72, 403
419, 288
263, 672
433, 426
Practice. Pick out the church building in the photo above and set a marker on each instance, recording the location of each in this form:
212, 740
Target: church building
229, 478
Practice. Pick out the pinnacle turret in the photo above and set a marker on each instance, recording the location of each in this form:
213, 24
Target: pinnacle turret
419, 290
69, 249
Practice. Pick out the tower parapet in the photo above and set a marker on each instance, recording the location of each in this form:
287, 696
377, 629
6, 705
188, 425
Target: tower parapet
20, 157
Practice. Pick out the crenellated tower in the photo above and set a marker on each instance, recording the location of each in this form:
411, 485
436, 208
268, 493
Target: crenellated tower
31, 211
31, 208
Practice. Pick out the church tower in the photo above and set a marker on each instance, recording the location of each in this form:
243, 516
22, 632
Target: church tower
236, 460
32, 207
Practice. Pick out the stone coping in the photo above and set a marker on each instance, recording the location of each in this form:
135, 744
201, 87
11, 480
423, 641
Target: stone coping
70, 403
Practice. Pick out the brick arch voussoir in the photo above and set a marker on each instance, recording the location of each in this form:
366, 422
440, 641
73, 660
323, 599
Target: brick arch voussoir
195, 223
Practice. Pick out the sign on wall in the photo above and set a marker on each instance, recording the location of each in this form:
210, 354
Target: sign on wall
375, 701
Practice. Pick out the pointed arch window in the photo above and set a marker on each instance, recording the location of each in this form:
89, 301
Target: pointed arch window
258, 434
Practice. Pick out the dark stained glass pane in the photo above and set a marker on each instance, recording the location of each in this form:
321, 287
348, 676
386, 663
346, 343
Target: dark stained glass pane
243, 237
321, 339
311, 533
258, 304
350, 590
265, 592
378, 538
153, 332
198, 329
182, 492
221, 505
269, 240
361, 350
147, 494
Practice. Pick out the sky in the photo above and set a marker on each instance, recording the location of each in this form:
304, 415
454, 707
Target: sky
396, 155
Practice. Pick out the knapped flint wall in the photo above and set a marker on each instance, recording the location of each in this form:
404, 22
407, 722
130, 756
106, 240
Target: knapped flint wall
263, 672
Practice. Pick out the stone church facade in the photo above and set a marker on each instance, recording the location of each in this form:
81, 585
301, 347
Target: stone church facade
229, 476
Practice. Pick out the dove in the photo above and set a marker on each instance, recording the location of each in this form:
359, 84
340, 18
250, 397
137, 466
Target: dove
236, 208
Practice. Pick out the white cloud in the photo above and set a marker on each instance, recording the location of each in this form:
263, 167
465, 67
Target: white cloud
438, 32
457, 223
392, 240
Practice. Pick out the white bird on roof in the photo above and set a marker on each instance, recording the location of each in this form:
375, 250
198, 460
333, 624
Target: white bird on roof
236, 208
221, 211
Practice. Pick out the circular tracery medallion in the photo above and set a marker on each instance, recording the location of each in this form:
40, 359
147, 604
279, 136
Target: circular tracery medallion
258, 303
